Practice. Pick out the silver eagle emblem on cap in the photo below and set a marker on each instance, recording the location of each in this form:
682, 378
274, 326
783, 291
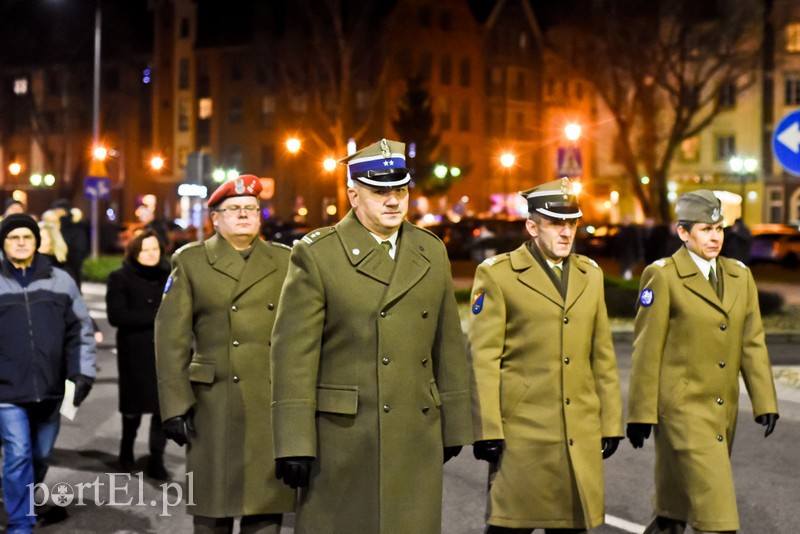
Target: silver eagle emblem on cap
715, 214
385, 150
238, 186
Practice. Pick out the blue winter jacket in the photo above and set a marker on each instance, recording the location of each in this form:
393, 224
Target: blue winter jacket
46, 334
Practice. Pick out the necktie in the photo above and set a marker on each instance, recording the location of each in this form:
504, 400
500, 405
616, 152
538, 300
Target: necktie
387, 246
712, 279
557, 271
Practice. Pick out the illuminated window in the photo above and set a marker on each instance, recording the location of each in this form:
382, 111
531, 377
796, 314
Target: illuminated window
793, 37
21, 86
183, 115
206, 108
690, 149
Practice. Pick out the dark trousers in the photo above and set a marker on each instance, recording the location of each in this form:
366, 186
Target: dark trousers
249, 524
667, 525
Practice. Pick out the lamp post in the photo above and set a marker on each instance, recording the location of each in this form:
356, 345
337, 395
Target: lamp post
98, 17
743, 167
507, 160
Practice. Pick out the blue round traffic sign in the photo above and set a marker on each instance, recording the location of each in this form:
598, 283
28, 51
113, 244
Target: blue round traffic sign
786, 143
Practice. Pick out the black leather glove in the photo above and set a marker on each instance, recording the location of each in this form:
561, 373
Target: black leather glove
488, 450
609, 446
768, 420
451, 452
178, 428
83, 385
637, 433
295, 471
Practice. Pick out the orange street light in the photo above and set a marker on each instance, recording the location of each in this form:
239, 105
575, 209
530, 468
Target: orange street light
329, 164
100, 153
507, 159
156, 163
572, 131
293, 145
15, 168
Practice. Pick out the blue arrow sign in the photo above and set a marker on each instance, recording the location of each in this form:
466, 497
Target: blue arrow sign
786, 143
97, 188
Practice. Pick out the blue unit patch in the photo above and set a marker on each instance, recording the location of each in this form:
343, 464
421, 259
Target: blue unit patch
646, 298
169, 284
477, 303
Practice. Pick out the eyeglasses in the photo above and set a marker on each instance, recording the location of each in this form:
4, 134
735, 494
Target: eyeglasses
235, 210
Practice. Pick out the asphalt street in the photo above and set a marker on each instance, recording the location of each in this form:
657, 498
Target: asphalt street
766, 471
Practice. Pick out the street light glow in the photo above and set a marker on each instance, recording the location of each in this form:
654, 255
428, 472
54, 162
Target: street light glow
507, 159
100, 153
15, 168
218, 175
455, 172
750, 164
293, 145
156, 163
572, 131
440, 171
232, 174
36, 180
736, 164
49, 180
329, 164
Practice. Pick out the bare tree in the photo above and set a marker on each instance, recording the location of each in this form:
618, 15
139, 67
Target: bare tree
659, 68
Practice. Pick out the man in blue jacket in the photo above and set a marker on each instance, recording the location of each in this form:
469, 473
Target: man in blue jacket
46, 336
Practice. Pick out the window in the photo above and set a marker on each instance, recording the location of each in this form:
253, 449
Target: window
774, 204
519, 87
727, 95
793, 37
446, 21
444, 154
205, 108
425, 66
496, 80
551, 86
235, 115
523, 41
183, 115
444, 113
463, 117
362, 100
183, 74
267, 110
446, 70
268, 156
184, 28
425, 17
579, 91
792, 89
21, 86
726, 147
464, 73
690, 149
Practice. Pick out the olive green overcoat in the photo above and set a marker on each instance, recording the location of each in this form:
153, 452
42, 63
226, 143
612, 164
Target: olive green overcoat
370, 379
689, 349
545, 380
212, 338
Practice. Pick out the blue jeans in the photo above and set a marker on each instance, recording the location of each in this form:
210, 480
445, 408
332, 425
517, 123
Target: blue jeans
29, 433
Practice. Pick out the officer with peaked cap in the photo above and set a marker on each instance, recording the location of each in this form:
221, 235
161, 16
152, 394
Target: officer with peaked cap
698, 327
212, 339
546, 403
364, 414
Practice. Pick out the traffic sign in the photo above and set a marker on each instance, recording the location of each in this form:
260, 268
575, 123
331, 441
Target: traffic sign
569, 162
786, 143
97, 188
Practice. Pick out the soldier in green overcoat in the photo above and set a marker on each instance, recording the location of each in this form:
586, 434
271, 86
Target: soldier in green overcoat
698, 327
212, 339
546, 403
370, 384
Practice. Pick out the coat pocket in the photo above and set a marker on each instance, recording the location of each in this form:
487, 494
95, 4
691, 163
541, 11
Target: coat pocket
337, 399
202, 372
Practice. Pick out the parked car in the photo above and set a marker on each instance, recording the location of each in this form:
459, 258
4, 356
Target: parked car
477, 239
783, 248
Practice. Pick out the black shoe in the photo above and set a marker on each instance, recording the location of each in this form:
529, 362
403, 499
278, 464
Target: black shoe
156, 469
51, 515
126, 460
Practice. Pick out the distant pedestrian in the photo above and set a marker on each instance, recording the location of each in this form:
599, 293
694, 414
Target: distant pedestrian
53, 246
13, 206
698, 328
738, 241
628, 245
213, 335
45, 338
132, 301
76, 235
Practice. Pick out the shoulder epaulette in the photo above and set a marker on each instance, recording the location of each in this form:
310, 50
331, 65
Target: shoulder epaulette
740, 264
184, 248
662, 262
500, 258
587, 259
318, 234
279, 245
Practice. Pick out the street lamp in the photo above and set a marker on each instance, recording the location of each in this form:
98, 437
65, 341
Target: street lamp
572, 131
743, 167
293, 145
156, 163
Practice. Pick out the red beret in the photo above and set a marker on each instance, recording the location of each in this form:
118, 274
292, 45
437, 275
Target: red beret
245, 185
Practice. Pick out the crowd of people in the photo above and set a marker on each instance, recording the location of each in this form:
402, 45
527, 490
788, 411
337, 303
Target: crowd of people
290, 376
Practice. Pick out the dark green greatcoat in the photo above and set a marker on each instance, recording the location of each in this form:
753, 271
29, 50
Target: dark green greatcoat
370, 378
212, 352
546, 382
688, 352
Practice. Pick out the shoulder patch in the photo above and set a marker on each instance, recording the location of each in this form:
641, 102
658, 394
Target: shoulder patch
477, 302
587, 259
168, 284
662, 262
646, 298
740, 264
318, 234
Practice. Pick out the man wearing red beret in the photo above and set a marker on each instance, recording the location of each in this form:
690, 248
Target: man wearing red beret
213, 357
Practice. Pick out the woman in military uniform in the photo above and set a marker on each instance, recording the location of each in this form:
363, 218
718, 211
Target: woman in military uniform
698, 327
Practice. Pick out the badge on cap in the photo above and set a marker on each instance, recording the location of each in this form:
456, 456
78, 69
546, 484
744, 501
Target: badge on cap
715, 215
477, 303
646, 298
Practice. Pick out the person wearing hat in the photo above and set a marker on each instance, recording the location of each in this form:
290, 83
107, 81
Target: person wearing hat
546, 399
698, 327
370, 384
13, 206
46, 337
212, 341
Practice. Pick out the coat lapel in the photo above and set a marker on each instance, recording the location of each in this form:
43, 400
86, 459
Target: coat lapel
223, 257
532, 275
577, 282
694, 280
411, 264
257, 267
733, 283
363, 251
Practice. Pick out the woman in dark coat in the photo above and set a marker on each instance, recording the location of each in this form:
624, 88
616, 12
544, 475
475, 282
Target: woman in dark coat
132, 300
